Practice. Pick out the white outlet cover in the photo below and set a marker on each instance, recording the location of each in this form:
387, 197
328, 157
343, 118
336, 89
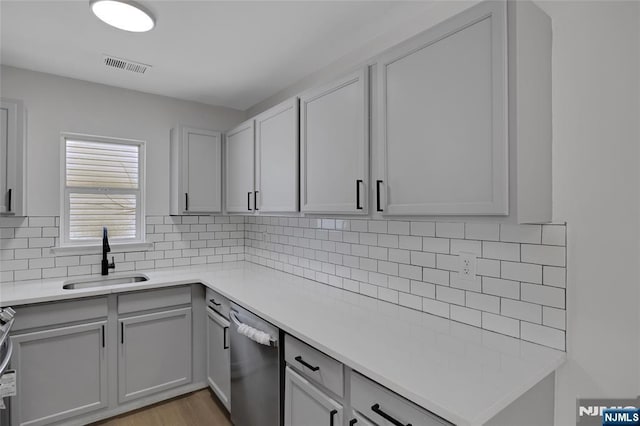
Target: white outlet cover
467, 266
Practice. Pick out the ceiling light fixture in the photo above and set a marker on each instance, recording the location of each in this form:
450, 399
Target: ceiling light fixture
123, 14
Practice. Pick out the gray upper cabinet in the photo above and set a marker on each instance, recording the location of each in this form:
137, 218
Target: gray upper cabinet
305, 404
196, 171
277, 158
218, 361
12, 158
154, 353
240, 166
334, 146
464, 116
442, 114
62, 372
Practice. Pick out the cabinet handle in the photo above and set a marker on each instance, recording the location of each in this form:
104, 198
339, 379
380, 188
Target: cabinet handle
376, 409
103, 336
249, 201
224, 338
331, 415
214, 302
358, 206
255, 200
9, 200
122, 333
186, 201
378, 208
306, 364
353, 422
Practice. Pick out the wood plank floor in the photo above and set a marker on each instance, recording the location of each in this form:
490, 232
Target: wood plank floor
194, 409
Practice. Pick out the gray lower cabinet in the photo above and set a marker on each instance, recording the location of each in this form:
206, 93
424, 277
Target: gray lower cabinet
218, 361
62, 370
357, 419
305, 404
154, 353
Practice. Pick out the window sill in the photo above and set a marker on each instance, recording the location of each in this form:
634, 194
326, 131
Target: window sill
97, 249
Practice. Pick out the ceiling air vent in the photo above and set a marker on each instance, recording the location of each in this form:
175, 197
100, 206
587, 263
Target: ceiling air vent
125, 64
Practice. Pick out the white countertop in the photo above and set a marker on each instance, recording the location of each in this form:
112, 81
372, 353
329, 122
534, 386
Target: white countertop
461, 373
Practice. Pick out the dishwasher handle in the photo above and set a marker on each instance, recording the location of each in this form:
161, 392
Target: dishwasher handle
234, 317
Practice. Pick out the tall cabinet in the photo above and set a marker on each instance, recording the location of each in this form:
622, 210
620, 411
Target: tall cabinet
334, 146
12, 158
196, 171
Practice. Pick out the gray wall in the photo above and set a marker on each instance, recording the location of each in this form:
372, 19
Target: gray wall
57, 104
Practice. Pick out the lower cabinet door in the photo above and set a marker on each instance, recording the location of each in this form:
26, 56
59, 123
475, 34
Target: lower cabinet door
154, 353
218, 361
304, 404
357, 419
61, 373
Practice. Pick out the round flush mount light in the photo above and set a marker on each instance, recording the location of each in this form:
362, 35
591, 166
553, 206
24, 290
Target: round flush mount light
123, 14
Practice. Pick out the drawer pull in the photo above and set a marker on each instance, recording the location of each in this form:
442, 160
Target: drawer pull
214, 302
353, 422
376, 409
224, 338
306, 364
331, 414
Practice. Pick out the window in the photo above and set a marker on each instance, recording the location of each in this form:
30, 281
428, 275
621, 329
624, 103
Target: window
103, 182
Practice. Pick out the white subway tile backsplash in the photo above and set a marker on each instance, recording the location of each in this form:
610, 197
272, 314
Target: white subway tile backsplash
423, 289
501, 251
435, 307
500, 287
521, 310
482, 231
543, 295
421, 258
543, 335
554, 235
424, 229
521, 272
435, 276
521, 233
554, 317
501, 324
450, 230
543, 255
436, 245
466, 315
411, 263
466, 246
450, 295
483, 302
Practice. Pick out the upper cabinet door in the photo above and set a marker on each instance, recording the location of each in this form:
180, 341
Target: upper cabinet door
240, 168
277, 158
334, 136
196, 171
443, 118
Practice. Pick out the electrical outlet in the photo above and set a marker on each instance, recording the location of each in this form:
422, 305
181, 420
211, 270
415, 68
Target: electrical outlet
467, 266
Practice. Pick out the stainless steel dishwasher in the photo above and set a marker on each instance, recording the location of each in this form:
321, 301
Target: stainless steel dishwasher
255, 371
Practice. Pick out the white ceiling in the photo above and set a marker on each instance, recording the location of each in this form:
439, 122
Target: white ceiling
228, 53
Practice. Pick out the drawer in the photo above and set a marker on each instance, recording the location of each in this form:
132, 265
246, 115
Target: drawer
55, 313
154, 299
218, 303
314, 365
376, 402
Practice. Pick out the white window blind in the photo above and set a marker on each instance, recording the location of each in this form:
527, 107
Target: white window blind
102, 188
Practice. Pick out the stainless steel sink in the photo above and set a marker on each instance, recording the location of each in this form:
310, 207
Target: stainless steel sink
104, 281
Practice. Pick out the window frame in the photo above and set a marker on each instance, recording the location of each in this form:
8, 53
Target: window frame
65, 241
